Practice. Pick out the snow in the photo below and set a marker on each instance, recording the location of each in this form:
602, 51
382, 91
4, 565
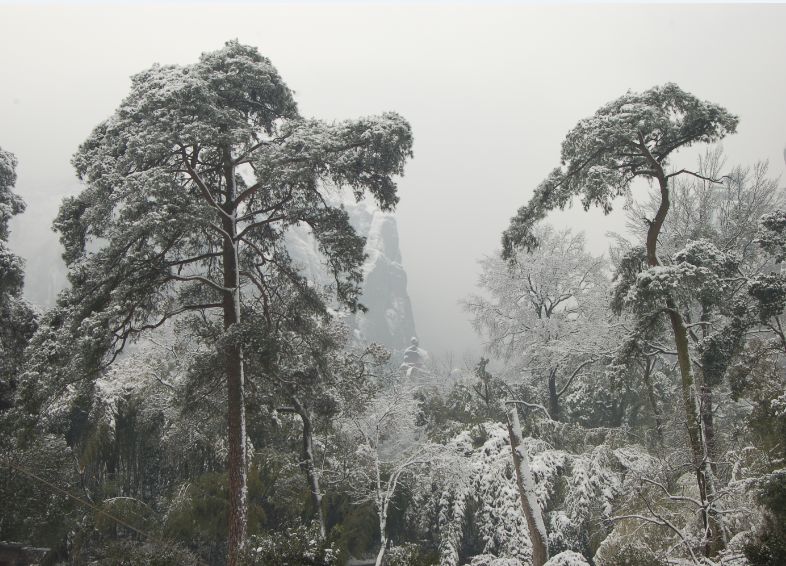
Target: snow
567, 558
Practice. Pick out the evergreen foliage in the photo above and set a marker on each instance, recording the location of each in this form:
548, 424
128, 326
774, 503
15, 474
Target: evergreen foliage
194, 398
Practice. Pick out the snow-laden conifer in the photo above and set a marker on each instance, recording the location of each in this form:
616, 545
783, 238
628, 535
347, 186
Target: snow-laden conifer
189, 188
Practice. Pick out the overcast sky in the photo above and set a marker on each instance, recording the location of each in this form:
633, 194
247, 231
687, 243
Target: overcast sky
490, 92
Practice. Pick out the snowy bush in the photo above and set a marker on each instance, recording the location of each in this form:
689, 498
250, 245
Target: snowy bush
567, 558
408, 554
300, 544
486, 490
614, 552
491, 560
478, 507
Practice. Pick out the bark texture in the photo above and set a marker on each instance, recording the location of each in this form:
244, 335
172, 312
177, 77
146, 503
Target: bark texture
554, 411
526, 485
233, 355
308, 466
695, 424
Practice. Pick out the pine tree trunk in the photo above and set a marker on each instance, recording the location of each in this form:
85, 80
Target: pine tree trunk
706, 418
308, 467
718, 542
554, 411
526, 485
695, 425
652, 399
233, 360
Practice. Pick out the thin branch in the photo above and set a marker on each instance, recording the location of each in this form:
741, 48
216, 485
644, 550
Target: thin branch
267, 210
696, 502
267, 220
167, 316
200, 279
574, 374
201, 184
660, 522
530, 406
193, 259
698, 175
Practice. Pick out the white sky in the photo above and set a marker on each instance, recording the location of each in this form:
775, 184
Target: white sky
490, 91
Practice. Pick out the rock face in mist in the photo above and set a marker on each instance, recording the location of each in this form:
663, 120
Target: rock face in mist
389, 320
414, 358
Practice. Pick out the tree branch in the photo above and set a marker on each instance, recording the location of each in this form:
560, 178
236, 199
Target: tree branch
201, 184
200, 279
574, 374
530, 406
698, 175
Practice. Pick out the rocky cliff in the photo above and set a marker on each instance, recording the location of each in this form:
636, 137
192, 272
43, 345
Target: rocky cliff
389, 320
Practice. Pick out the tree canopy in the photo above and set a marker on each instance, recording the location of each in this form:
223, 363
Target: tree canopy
17, 317
190, 188
632, 136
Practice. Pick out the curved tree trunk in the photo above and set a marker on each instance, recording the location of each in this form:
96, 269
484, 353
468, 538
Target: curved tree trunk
696, 430
308, 467
526, 485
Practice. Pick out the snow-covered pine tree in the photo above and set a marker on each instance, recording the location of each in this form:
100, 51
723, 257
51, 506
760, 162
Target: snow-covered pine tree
17, 318
629, 138
190, 187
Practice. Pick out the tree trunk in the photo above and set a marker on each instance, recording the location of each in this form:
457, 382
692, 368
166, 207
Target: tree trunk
233, 360
718, 542
382, 502
553, 395
648, 367
707, 420
383, 516
705, 403
381, 553
526, 485
308, 467
696, 433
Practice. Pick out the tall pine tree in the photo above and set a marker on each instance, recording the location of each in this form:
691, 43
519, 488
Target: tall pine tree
627, 139
190, 188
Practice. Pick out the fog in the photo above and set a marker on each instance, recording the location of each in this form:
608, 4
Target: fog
490, 91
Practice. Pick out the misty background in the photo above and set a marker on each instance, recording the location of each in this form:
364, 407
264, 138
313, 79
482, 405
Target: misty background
490, 91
